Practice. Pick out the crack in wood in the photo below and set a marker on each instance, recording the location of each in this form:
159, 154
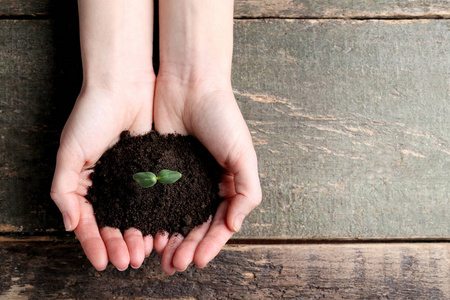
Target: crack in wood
415, 154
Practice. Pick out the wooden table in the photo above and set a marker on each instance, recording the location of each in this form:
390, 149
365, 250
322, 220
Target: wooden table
348, 105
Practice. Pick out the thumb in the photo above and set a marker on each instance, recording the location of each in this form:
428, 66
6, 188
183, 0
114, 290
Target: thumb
247, 187
65, 186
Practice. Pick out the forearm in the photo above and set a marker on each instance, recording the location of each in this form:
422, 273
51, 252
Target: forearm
116, 39
196, 39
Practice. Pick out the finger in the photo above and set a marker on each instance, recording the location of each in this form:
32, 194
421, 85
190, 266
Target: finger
116, 247
184, 254
160, 241
169, 251
247, 187
168, 118
84, 182
226, 186
143, 121
216, 237
89, 236
136, 247
65, 186
148, 245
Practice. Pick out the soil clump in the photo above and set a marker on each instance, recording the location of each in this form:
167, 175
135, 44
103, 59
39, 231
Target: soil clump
178, 207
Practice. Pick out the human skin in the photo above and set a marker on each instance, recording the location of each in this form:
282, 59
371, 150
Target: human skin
116, 95
194, 96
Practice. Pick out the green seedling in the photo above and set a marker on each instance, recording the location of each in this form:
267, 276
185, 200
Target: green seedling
149, 179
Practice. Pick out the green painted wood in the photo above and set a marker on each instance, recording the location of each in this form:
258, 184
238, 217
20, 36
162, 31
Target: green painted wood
364, 271
350, 120
275, 8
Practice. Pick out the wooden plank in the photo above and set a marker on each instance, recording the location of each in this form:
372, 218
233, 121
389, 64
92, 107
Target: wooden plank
26, 7
351, 124
274, 8
349, 118
342, 9
361, 271
40, 78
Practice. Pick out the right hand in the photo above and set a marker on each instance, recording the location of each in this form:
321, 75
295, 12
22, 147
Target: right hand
99, 116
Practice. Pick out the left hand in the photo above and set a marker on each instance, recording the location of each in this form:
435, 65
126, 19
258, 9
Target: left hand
210, 113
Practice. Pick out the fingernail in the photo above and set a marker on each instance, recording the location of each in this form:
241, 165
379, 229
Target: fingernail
238, 222
67, 223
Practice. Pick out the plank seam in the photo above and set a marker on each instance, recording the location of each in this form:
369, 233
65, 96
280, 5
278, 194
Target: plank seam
357, 18
62, 237
26, 17
270, 17
337, 241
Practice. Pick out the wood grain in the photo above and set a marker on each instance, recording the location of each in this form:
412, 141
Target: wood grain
41, 77
26, 7
350, 121
363, 271
273, 8
341, 9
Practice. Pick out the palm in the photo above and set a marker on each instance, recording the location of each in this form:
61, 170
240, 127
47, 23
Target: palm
214, 118
94, 125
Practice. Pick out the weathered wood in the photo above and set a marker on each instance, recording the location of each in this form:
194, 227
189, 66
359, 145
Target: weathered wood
276, 8
349, 118
342, 9
40, 78
363, 271
351, 124
26, 7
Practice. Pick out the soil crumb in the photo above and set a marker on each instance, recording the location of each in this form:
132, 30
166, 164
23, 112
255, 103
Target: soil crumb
178, 207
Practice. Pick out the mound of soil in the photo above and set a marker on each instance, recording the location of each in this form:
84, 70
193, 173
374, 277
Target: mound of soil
178, 207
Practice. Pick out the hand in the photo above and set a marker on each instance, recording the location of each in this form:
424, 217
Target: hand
209, 112
117, 94
95, 124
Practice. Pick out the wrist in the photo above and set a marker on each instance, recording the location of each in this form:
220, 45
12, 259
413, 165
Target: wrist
196, 40
116, 61
116, 39
118, 76
190, 78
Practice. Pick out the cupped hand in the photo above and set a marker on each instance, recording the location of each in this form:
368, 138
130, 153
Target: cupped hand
209, 112
99, 116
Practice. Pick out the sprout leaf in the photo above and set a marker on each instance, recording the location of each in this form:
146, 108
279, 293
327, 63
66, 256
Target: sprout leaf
145, 179
168, 176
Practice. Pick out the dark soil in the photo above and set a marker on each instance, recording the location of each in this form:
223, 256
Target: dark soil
121, 202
